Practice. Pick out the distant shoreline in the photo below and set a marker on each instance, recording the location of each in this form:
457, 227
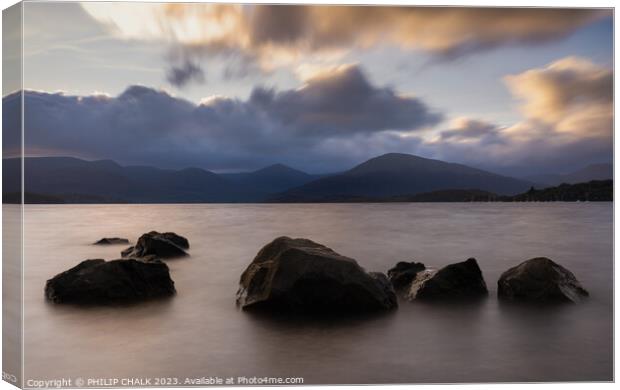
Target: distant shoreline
592, 191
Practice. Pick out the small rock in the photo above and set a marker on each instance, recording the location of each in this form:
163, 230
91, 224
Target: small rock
457, 281
160, 245
404, 273
112, 241
540, 280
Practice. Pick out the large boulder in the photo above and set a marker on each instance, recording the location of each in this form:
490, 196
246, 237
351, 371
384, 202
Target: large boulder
160, 245
403, 273
301, 275
540, 280
459, 281
107, 282
112, 241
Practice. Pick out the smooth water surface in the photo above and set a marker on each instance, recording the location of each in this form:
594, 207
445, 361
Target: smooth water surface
200, 332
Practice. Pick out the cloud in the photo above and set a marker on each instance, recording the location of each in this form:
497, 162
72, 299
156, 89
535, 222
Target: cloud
568, 122
333, 121
183, 74
443, 30
278, 35
340, 102
298, 126
572, 95
466, 130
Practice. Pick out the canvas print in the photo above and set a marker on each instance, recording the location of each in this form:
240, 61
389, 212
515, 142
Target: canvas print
203, 194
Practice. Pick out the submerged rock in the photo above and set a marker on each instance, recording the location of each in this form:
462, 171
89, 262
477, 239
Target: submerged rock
104, 282
161, 245
112, 241
299, 274
540, 280
453, 282
404, 273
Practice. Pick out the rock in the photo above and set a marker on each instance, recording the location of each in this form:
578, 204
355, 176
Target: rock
403, 273
453, 282
105, 282
540, 280
128, 252
177, 240
162, 245
112, 241
301, 275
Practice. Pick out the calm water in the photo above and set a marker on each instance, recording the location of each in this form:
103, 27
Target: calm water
200, 332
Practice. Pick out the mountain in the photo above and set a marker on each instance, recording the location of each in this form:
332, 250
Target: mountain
590, 172
397, 174
270, 180
72, 179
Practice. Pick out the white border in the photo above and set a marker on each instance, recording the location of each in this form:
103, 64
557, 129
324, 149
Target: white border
483, 3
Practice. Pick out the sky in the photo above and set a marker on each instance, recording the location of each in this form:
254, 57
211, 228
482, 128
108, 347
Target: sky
233, 88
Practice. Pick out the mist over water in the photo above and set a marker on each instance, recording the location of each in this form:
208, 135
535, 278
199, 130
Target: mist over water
200, 332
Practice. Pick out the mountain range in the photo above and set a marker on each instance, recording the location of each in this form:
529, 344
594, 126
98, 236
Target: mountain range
73, 180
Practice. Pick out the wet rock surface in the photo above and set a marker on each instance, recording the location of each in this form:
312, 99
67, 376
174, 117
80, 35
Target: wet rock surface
540, 280
459, 281
302, 275
161, 245
403, 273
99, 282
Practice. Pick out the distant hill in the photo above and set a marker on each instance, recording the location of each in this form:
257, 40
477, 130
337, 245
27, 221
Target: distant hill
270, 180
80, 181
73, 180
396, 174
588, 173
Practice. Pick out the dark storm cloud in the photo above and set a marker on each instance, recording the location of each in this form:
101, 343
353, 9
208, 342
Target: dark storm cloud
147, 126
343, 102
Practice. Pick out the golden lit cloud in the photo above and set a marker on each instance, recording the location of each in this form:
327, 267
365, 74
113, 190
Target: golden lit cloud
572, 95
191, 24
568, 116
281, 34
